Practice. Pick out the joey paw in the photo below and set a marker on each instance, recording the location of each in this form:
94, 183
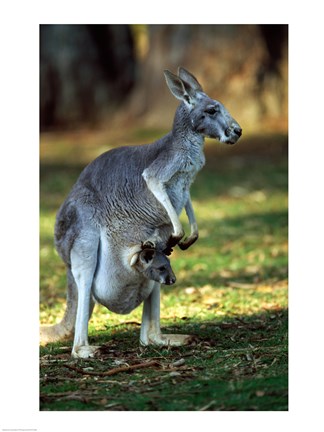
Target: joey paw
172, 241
167, 251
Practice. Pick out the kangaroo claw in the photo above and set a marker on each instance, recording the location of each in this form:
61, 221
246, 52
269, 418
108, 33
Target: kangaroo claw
187, 242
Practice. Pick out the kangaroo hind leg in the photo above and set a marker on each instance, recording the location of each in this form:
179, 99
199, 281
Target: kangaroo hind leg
150, 329
84, 255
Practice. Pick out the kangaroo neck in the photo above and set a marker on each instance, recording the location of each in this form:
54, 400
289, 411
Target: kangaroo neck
183, 131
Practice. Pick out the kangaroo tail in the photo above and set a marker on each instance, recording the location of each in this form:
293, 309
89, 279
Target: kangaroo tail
64, 329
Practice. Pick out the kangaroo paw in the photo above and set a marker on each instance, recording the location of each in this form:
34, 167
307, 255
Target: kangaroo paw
187, 242
173, 241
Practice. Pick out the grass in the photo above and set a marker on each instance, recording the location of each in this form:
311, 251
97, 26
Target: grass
231, 294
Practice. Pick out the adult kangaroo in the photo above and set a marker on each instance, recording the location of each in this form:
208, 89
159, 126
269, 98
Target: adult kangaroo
127, 197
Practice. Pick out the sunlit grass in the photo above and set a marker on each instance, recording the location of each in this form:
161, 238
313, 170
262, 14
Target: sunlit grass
238, 269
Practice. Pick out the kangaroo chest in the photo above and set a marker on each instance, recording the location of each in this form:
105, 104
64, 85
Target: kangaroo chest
179, 185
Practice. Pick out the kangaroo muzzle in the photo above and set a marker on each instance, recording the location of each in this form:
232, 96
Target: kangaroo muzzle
233, 133
170, 280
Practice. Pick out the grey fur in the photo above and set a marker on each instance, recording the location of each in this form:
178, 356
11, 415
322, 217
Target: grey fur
133, 194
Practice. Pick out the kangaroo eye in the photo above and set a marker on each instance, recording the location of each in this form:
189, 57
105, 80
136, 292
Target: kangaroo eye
212, 110
162, 268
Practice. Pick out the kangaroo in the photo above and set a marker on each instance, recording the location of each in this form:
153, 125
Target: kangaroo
124, 196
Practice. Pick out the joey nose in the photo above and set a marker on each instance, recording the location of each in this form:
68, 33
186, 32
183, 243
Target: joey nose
238, 131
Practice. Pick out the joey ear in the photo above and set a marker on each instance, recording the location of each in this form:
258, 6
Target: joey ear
177, 87
134, 259
186, 76
147, 255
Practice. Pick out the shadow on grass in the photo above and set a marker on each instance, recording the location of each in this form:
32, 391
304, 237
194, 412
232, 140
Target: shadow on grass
236, 363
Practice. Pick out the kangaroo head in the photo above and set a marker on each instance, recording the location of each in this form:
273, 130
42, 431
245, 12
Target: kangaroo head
207, 117
154, 265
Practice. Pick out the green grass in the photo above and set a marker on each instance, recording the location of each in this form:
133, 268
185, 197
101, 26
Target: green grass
231, 294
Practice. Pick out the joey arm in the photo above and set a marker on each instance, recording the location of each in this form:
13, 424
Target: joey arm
187, 242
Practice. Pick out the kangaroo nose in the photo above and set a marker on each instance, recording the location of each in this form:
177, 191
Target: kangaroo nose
170, 280
238, 131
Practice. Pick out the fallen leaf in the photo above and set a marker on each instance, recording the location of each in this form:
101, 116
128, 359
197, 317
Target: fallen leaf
190, 290
205, 408
174, 374
178, 363
248, 357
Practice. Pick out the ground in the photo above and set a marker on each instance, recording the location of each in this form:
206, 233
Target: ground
231, 293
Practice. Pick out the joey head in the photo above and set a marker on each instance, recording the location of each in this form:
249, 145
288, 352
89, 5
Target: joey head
154, 265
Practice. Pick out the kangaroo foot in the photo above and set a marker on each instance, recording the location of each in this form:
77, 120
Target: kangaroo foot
167, 340
85, 351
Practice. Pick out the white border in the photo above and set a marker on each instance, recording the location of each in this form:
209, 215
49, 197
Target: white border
19, 213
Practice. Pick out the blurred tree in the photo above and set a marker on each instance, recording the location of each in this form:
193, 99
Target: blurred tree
90, 71
85, 70
276, 39
271, 79
235, 64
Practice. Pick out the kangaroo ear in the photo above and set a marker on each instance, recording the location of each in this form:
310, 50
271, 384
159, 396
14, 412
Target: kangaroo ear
146, 256
177, 87
189, 79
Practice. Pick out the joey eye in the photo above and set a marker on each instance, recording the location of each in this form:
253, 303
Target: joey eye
212, 110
